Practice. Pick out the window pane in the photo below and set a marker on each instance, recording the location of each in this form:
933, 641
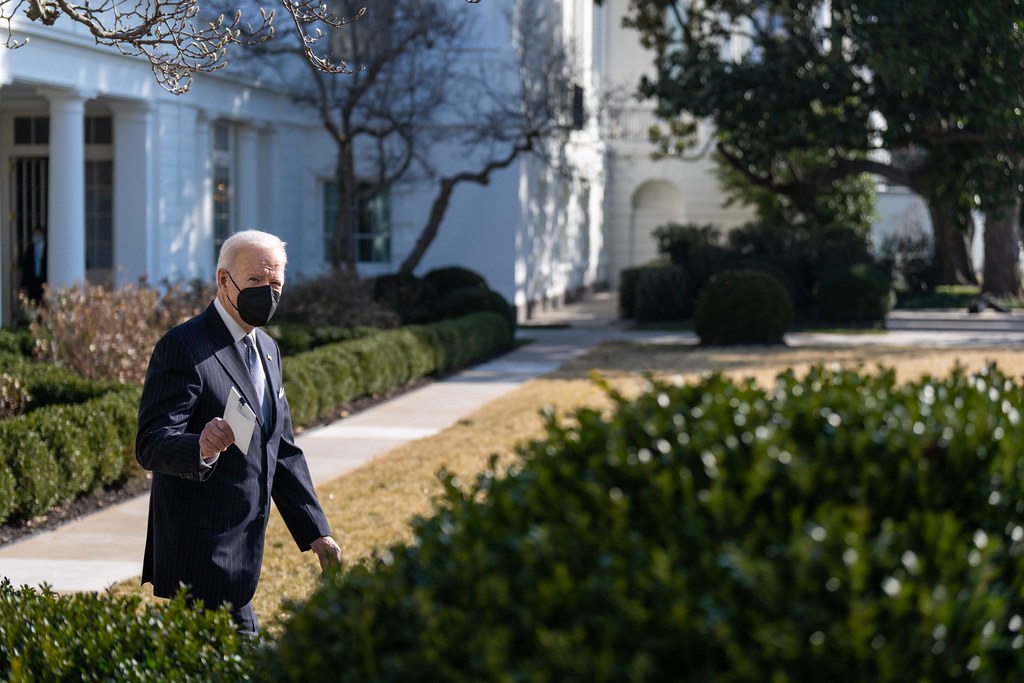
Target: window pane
99, 214
41, 130
221, 205
221, 137
330, 196
98, 130
22, 130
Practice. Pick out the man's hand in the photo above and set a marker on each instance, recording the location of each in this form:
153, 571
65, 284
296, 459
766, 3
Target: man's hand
216, 436
327, 551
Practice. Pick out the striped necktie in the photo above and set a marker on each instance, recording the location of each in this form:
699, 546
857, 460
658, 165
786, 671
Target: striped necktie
255, 368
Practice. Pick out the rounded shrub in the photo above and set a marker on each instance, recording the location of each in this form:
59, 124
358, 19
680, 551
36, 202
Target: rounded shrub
468, 300
661, 295
742, 307
835, 527
857, 294
411, 297
451, 278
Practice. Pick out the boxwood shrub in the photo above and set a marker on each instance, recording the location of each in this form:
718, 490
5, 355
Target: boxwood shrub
48, 384
321, 381
91, 637
857, 294
661, 295
466, 300
742, 307
57, 453
835, 527
450, 278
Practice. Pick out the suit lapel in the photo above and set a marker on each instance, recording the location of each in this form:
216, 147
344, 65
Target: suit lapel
225, 350
266, 348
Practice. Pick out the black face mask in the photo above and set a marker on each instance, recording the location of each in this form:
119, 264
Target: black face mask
256, 305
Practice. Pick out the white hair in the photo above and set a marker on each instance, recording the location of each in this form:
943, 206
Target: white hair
249, 238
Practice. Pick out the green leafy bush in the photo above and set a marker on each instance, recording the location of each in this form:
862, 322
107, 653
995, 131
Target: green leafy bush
856, 294
628, 279
324, 380
49, 385
835, 527
742, 307
90, 637
57, 453
17, 341
661, 295
412, 298
337, 299
450, 278
293, 338
460, 302
700, 249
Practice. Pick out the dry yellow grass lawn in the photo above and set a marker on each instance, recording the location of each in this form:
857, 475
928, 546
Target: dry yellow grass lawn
370, 508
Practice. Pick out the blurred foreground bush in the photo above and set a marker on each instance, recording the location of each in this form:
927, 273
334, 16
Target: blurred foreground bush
89, 637
832, 528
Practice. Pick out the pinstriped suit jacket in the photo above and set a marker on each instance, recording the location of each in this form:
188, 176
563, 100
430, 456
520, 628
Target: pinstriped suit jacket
206, 526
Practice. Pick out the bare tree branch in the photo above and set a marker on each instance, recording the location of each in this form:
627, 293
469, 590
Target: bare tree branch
179, 38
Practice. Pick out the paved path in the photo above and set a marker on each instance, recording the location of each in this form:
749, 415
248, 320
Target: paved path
106, 546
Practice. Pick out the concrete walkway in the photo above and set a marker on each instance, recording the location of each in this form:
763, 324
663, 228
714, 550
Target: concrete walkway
105, 547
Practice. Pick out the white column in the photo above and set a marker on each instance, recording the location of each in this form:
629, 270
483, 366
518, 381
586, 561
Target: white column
247, 200
66, 206
203, 207
133, 197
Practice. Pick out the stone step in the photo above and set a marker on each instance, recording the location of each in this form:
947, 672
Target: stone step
945, 320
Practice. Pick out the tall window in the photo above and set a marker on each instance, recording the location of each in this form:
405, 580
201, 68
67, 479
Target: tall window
223, 187
371, 223
99, 200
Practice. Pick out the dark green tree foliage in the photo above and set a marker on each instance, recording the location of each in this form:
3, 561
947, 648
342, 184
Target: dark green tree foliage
839, 527
939, 83
47, 637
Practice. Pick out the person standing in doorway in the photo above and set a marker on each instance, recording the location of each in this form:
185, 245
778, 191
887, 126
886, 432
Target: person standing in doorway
212, 484
33, 266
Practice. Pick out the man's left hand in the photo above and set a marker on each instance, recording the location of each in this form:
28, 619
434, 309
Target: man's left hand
327, 551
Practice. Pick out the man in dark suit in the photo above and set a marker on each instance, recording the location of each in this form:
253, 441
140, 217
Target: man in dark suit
210, 499
33, 266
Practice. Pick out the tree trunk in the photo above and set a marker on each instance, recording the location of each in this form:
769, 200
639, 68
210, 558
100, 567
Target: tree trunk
951, 228
1001, 275
446, 186
429, 231
342, 245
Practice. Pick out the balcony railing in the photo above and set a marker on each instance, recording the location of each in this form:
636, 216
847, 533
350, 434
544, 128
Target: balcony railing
631, 124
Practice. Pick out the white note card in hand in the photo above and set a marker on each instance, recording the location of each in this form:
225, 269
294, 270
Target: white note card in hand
240, 418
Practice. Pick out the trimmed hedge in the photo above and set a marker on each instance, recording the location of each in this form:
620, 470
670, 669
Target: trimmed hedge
57, 453
18, 341
836, 527
320, 382
50, 385
858, 294
466, 300
91, 637
742, 307
661, 295
450, 278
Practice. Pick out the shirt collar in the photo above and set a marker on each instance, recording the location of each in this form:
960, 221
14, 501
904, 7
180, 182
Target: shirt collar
233, 327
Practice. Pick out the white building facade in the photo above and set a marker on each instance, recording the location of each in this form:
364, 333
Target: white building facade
134, 184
